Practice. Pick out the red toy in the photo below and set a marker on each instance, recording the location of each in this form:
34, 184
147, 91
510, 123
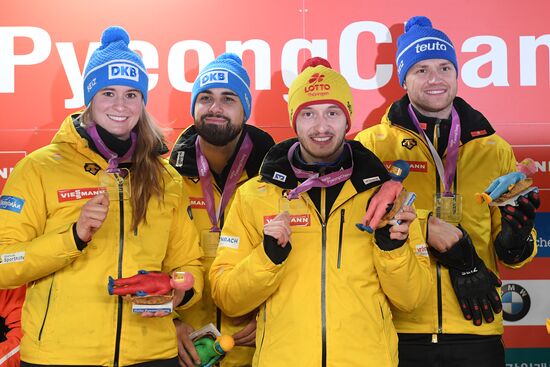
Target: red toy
146, 283
388, 200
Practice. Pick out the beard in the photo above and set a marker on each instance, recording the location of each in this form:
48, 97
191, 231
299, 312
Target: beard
218, 135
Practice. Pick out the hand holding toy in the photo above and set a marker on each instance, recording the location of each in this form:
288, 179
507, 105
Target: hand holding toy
146, 283
389, 199
507, 188
210, 351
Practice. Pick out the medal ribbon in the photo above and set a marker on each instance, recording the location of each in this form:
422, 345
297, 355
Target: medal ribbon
446, 173
112, 158
206, 180
313, 179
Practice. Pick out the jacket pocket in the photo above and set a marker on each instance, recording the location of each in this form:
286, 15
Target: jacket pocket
48, 304
260, 333
388, 330
340, 237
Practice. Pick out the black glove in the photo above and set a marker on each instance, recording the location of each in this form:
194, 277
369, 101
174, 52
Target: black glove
514, 243
277, 254
474, 284
383, 240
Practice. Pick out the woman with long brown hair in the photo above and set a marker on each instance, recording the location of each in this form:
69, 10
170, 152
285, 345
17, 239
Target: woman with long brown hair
98, 202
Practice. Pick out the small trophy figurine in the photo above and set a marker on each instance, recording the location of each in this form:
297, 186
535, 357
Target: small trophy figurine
506, 189
150, 291
388, 200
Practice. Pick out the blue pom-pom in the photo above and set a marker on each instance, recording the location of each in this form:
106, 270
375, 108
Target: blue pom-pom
419, 21
230, 56
114, 34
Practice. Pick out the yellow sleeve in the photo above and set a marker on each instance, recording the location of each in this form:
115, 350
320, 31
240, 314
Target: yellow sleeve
26, 252
242, 275
184, 252
404, 273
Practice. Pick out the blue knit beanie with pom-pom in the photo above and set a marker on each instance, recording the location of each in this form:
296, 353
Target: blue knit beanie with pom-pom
113, 63
226, 71
422, 42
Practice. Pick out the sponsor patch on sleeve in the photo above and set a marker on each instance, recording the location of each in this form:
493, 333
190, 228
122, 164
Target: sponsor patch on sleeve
229, 241
11, 203
16, 257
422, 250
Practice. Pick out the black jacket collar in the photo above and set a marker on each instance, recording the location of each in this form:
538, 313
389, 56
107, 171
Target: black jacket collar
472, 122
368, 170
185, 147
163, 149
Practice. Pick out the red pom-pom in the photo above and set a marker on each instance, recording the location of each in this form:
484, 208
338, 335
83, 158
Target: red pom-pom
315, 61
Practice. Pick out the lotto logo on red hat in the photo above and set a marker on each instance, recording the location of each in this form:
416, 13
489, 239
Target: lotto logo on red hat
316, 78
315, 84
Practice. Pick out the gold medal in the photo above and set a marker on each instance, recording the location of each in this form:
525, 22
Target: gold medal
114, 183
448, 207
209, 242
296, 206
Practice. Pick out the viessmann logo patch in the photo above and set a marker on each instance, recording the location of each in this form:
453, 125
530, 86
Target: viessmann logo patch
197, 203
297, 220
79, 194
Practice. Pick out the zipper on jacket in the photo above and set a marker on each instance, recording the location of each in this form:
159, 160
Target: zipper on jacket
259, 348
342, 212
439, 304
120, 253
324, 220
323, 295
437, 265
47, 309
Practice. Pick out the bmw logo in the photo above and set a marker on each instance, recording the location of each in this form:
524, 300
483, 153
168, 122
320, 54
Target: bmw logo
515, 302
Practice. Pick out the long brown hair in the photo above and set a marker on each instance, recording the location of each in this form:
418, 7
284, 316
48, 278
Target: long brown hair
146, 178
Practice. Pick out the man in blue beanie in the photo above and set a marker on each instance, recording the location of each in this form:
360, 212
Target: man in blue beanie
456, 153
215, 156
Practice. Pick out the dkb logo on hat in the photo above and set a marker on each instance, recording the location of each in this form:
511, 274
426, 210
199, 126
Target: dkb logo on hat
113, 63
123, 71
224, 72
214, 77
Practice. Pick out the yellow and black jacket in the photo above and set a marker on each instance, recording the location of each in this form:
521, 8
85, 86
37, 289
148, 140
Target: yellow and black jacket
69, 318
482, 157
205, 311
328, 302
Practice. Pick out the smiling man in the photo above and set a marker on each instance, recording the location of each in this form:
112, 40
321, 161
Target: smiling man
216, 155
454, 152
290, 246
